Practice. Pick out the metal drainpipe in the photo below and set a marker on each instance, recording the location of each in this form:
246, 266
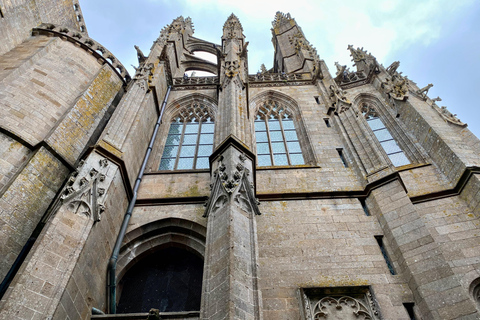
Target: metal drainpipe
112, 264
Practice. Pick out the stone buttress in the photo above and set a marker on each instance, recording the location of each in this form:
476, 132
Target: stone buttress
230, 289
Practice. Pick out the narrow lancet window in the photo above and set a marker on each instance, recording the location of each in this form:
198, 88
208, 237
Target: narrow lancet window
190, 140
393, 151
276, 136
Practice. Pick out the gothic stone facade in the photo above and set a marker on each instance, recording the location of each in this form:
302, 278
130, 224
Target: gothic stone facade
306, 194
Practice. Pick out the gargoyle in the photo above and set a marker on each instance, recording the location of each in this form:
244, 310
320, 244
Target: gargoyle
141, 57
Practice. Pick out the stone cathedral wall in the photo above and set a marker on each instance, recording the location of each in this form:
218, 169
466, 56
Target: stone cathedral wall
19, 17
46, 128
347, 222
322, 243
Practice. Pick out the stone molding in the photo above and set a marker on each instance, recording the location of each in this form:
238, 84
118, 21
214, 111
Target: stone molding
86, 43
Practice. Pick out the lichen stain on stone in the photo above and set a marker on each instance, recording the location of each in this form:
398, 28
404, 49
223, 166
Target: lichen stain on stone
28, 196
326, 281
74, 130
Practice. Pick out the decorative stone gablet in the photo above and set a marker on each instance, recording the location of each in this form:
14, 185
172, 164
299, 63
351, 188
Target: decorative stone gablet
85, 190
232, 184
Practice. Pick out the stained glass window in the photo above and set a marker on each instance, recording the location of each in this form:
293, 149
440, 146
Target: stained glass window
276, 136
393, 151
189, 141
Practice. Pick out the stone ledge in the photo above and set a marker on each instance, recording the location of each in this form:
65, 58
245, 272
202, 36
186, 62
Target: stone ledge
144, 315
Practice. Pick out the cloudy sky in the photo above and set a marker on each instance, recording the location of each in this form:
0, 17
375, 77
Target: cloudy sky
436, 41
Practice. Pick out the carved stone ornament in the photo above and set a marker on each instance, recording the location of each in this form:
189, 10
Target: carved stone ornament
236, 187
232, 29
341, 102
141, 57
368, 111
85, 190
396, 87
343, 308
143, 75
339, 304
232, 68
392, 69
424, 91
345, 76
306, 304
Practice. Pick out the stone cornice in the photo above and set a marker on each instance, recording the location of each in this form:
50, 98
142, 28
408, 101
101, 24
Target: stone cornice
87, 44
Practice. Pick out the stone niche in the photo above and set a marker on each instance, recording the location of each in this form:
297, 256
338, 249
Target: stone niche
340, 303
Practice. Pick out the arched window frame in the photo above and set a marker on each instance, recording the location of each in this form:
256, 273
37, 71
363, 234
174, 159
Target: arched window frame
195, 108
152, 237
368, 106
276, 104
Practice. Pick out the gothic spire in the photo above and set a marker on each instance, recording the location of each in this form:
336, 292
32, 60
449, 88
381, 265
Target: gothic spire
232, 29
282, 19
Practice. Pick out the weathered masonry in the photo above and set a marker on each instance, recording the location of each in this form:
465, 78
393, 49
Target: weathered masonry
291, 193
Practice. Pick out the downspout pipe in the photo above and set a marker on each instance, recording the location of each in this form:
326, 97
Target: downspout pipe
112, 264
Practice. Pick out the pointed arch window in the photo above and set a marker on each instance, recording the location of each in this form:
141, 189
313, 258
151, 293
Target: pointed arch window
276, 136
388, 143
190, 139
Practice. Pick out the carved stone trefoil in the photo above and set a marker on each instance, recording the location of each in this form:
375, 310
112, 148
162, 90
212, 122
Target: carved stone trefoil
348, 303
342, 308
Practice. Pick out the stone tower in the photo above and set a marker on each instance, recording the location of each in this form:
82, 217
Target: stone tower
292, 193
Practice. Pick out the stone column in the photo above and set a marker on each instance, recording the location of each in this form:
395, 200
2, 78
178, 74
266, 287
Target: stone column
230, 284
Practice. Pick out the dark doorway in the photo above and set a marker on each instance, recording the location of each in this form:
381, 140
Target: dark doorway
169, 280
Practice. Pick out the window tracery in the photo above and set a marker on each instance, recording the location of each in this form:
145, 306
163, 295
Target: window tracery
276, 136
339, 303
390, 146
189, 141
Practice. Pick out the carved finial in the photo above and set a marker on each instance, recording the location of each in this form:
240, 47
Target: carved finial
263, 69
232, 28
